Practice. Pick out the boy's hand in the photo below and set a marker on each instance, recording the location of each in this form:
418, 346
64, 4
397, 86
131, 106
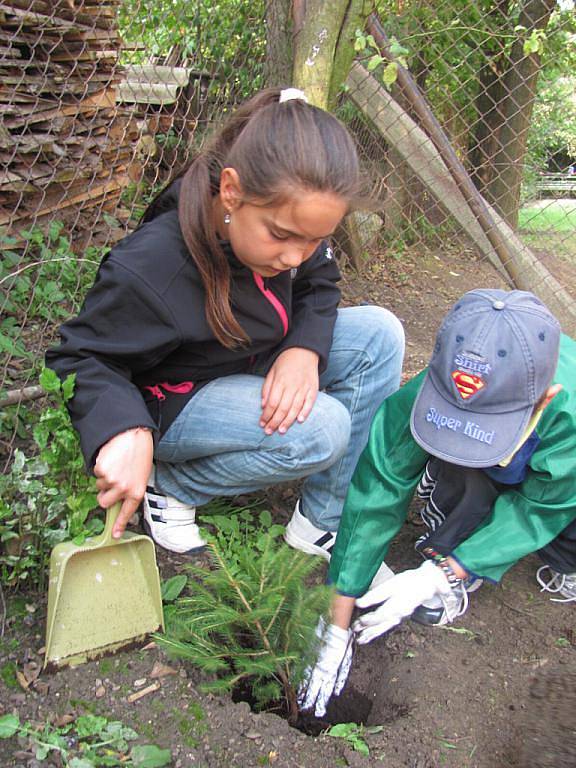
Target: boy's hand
328, 676
289, 390
400, 596
122, 469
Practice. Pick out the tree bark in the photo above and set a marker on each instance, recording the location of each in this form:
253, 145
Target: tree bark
279, 43
484, 141
519, 91
324, 46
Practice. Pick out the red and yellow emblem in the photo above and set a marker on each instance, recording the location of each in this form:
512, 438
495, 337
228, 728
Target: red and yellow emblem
467, 384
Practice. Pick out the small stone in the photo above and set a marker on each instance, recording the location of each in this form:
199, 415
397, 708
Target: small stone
252, 735
100, 692
140, 683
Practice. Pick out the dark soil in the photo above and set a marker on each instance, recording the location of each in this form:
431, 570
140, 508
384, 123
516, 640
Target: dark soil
495, 690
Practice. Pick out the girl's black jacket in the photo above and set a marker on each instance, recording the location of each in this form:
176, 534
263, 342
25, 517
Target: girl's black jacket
141, 345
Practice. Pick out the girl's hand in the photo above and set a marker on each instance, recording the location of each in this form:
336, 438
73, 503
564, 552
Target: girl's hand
289, 390
122, 467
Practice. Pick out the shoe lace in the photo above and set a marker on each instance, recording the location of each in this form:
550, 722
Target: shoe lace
455, 602
564, 584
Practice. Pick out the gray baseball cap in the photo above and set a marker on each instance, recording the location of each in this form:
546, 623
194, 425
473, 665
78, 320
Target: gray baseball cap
495, 355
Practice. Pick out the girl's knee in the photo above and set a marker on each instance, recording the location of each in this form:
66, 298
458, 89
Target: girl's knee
334, 424
385, 327
324, 436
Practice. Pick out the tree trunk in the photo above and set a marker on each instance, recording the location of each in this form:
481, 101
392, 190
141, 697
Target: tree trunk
324, 46
519, 91
279, 46
484, 142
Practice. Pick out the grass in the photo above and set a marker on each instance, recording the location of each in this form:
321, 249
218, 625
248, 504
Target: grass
549, 216
550, 226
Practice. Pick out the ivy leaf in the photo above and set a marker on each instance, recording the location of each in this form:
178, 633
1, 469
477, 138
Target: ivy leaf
171, 588
374, 62
9, 724
360, 42
150, 756
360, 746
390, 74
49, 381
396, 49
90, 725
68, 386
81, 762
343, 730
265, 518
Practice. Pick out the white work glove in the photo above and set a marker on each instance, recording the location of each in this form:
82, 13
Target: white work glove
400, 596
328, 676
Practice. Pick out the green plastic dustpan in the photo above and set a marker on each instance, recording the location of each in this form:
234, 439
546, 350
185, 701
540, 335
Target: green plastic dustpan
102, 596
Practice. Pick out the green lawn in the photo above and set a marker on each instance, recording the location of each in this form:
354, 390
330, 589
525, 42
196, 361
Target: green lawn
549, 216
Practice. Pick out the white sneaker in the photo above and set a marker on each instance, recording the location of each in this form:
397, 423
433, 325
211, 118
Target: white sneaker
301, 534
170, 522
443, 609
558, 583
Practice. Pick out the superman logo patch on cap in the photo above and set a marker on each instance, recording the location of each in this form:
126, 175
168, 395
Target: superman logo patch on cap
467, 384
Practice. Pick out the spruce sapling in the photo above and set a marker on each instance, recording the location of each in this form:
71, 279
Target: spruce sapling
251, 619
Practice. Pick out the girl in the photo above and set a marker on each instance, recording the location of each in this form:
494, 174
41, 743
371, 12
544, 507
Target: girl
211, 342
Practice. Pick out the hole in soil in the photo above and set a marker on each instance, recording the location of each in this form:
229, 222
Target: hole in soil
351, 706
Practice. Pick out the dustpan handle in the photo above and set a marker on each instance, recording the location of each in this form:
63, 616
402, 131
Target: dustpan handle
111, 517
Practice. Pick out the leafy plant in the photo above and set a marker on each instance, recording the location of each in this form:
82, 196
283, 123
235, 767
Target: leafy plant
88, 742
251, 619
46, 281
47, 497
354, 734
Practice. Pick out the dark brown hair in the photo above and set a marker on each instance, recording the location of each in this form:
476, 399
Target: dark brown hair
276, 149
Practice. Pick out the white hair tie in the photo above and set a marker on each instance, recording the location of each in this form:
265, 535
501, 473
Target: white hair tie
287, 94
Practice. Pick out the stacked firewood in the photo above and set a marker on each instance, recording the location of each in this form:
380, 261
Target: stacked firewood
65, 145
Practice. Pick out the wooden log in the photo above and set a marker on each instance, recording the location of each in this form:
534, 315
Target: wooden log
83, 197
24, 395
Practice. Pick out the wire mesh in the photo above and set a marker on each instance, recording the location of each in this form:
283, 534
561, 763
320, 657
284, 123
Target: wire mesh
102, 102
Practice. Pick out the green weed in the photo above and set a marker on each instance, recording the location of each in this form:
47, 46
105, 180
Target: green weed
355, 735
46, 497
88, 742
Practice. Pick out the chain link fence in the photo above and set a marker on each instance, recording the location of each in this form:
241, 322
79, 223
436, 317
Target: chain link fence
101, 103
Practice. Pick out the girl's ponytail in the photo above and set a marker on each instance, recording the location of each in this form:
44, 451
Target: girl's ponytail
196, 222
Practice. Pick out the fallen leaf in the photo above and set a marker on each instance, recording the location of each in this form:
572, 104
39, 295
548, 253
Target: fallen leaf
22, 680
31, 671
41, 687
162, 670
61, 720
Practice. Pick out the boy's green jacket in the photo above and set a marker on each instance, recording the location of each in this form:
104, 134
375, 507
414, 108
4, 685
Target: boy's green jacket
524, 518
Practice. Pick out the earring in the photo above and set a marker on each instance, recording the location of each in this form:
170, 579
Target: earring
227, 218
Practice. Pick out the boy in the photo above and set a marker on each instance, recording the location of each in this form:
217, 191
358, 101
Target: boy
488, 434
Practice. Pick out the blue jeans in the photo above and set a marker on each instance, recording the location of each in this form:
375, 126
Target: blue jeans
215, 447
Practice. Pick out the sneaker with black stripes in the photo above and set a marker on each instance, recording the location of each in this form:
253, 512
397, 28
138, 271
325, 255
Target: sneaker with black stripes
301, 534
170, 522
